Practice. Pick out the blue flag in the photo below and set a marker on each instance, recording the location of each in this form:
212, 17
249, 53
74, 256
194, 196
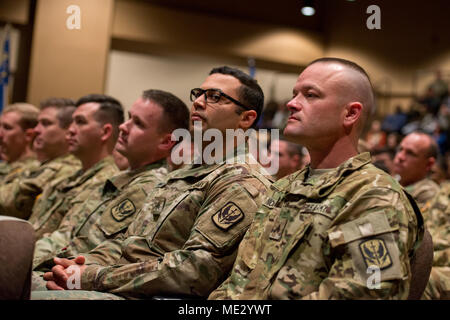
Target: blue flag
4, 71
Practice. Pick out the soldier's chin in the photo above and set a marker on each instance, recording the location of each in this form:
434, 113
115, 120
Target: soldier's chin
73, 149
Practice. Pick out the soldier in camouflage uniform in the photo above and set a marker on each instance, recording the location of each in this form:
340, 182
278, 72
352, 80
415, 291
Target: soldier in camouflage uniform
185, 239
107, 213
439, 284
4, 168
322, 232
91, 138
16, 137
17, 198
412, 164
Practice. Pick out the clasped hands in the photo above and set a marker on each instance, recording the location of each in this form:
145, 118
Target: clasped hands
66, 274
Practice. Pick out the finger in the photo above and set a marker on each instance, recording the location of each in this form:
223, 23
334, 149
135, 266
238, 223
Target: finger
63, 262
51, 285
48, 276
60, 276
80, 260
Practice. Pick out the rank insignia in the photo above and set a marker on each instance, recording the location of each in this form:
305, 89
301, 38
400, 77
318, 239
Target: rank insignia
228, 216
159, 204
123, 210
375, 253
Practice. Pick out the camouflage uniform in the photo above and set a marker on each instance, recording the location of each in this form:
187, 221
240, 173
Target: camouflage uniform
423, 191
4, 170
436, 208
184, 240
18, 168
315, 237
60, 196
86, 226
17, 198
438, 286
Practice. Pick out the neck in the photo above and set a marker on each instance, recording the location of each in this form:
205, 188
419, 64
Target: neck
28, 153
44, 158
93, 158
137, 166
325, 158
226, 148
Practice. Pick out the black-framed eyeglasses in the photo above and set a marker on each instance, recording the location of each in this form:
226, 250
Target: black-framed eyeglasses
213, 95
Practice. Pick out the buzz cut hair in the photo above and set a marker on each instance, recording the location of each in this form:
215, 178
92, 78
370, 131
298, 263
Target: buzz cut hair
28, 114
110, 110
65, 107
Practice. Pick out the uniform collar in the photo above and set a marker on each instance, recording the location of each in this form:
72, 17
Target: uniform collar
237, 155
81, 177
320, 186
124, 178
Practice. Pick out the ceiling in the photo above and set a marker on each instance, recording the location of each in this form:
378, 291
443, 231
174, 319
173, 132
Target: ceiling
288, 11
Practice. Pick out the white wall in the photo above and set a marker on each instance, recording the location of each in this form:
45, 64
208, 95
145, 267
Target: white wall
130, 73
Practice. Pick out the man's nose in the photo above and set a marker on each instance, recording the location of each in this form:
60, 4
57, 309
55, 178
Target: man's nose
200, 102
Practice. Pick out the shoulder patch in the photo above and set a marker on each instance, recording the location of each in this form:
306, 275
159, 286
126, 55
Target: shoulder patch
375, 253
123, 210
228, 216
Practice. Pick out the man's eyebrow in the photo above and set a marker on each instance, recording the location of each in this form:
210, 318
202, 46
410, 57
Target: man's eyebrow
311, 86
306, 87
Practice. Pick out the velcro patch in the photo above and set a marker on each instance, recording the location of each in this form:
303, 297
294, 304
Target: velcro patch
123, 210
375, 253
316, 208
228, 216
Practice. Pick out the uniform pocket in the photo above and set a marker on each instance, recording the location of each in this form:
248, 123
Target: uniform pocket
121, 211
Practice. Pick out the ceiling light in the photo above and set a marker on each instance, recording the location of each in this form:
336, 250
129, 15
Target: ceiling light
308, 8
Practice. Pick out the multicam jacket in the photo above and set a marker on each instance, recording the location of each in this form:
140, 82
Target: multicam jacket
18, 168
60, 196
105, 213
439, 226
325, 237
17, 197
423, 191
185, 239
4, 170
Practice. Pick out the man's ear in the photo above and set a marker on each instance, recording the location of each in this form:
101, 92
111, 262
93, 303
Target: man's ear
297, 160
353, 112
248, 117
29, 135
107, 131
166, 143
430, 162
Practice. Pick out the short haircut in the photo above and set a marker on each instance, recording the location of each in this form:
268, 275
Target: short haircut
65, 108
354, 66
433, 148
110, 110
175, 112
28, 114
250, 93
347, 63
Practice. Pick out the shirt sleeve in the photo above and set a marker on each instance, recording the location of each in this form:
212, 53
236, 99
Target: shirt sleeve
369, 252
205, 258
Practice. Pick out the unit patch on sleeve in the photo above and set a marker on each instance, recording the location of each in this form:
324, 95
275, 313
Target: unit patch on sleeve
123, 210
228, 216
375, 253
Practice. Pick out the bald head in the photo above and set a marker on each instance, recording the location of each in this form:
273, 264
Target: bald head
356, 87
415, 157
